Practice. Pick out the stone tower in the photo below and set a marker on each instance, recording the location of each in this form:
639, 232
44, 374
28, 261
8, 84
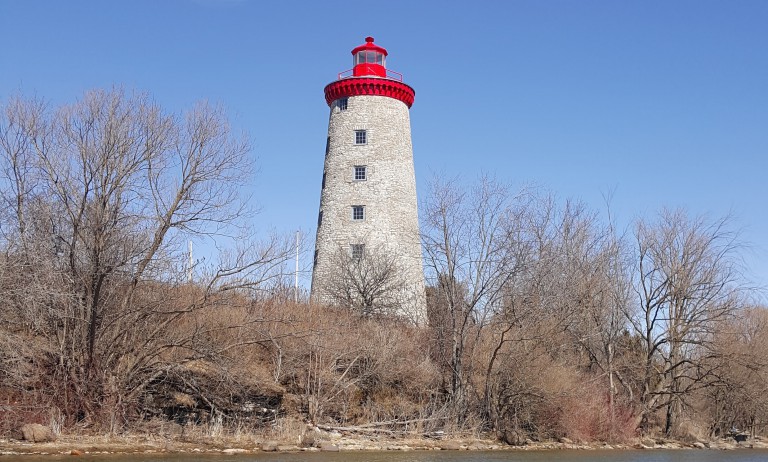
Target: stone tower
368, 207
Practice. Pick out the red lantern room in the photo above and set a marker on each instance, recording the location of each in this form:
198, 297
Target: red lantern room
369, 76
369, 59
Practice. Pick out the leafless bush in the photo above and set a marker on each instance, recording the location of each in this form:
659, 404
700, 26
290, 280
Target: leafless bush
370, 283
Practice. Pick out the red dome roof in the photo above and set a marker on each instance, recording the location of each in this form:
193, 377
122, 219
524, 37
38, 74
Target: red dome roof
369, 45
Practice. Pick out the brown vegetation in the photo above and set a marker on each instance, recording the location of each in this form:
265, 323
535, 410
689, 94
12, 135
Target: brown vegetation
544, 322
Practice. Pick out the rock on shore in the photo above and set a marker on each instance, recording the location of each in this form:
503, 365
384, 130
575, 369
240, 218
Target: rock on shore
36, 433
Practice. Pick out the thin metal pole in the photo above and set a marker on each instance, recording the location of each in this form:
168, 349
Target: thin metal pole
296, 273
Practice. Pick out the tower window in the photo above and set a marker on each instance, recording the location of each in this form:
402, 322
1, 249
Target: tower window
361, 173
358, 212
323, 185
314, 259
327, 145
357, 251
341, 103
320, 219
361, 137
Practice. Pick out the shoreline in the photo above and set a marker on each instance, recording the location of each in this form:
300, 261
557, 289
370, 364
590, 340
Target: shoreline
250, 444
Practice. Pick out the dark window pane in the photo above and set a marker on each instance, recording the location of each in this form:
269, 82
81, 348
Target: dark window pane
357, 251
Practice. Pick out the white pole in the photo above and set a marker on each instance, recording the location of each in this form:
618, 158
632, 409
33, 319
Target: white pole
296, 273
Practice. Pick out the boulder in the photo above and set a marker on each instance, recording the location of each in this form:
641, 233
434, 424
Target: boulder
648, 442
269, 446
287, 448
37, 433
450, 446
308, 439
512, 437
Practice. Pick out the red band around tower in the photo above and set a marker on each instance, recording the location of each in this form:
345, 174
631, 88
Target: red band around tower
369, 86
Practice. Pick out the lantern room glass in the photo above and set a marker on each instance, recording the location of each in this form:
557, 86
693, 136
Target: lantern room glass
370, 57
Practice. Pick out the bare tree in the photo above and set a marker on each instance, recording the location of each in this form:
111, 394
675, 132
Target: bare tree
739, 398
19, 120
597, 286
565, 294
687, 284
369, 281
465, 240
106, 193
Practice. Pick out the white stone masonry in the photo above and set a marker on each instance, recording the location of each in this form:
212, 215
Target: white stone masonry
388, 195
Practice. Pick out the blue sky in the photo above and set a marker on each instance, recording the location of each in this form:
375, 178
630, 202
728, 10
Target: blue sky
658, 103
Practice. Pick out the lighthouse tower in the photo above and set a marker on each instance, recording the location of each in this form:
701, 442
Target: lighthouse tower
368, 217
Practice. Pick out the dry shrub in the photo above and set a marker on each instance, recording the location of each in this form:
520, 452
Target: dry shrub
517, 397
539, 392
584, 414
346, 368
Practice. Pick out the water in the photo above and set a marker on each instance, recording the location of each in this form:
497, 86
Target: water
740, 455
